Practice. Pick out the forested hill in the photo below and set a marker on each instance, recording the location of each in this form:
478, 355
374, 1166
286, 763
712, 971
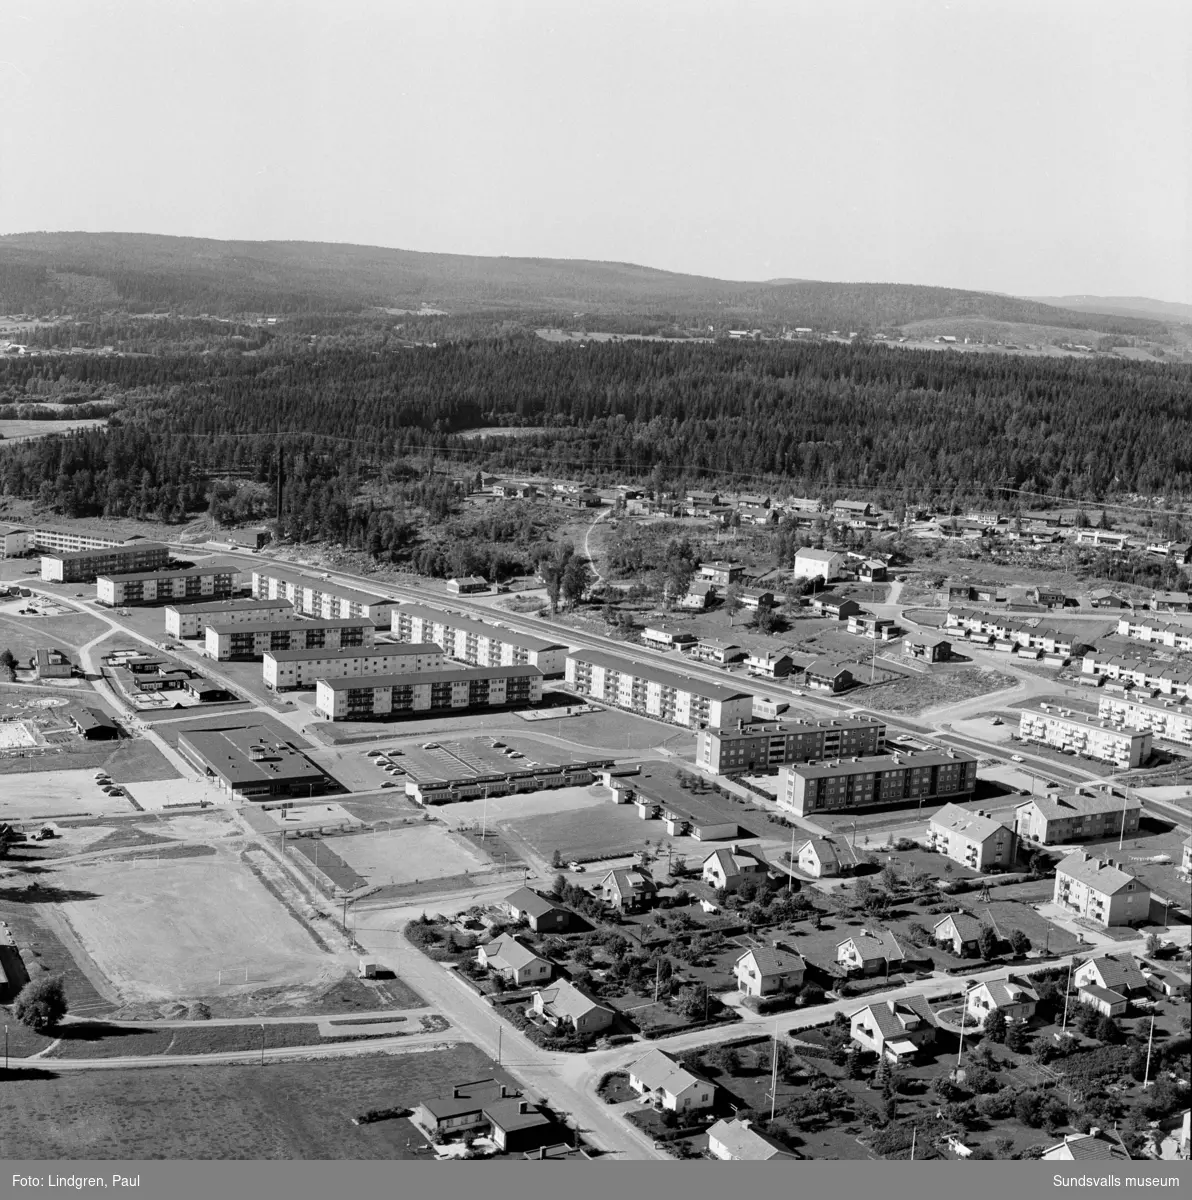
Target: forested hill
85, 274
803, 418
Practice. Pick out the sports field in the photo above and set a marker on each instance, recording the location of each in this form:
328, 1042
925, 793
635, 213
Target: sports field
416, 853
167, 929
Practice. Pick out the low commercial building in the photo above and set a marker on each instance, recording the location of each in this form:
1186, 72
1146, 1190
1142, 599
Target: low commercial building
284, 669
52, 664
467, 585
82, 566
1059, 818
974, 839
94, 725
1101, 890
476, 643
1087, 736
224, 641
213, 581
1169, 720
321, 597
652, 691
252, 763
369, 697
191, 620
748, 748
856, 783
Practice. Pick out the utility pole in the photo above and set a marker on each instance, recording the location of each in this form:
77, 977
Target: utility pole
1150, 1041
774, 1074
262, 1043
1067, 989
914, 1132
1125, 803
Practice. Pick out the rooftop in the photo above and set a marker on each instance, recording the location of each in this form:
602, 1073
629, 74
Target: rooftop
397, 650
250, 755
1056, 806
218, 606
283, 623
745, 1143
972, 824
1102, 875
411, 678
203, 568
653, 674
133, 547
880, 762
325, 586
452, 620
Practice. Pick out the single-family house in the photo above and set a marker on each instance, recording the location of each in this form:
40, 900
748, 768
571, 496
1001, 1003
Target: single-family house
817, 857
542, 915
699, 595
629, 890
1104, 598
1119, 973
672, 1085
827, 675
466, 585
894, 1029
1096, 1145
818, 564
722, 573
1106, 1001
715, 651
927, 647
873, 570
727, 869
516, 1126
1014, 998
563, 1006
737, 1141
870, 952
463, 1110
839, 608
753, 598
770, 664
517, 964
769, 970
960, 932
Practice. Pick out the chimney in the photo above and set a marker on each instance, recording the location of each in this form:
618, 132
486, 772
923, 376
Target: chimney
455, 1092
504, 1091
1094, 1131
522, 1107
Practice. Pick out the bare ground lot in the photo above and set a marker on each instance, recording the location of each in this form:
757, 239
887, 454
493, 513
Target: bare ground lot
412, 854
300, 1110
919, 693
166, 931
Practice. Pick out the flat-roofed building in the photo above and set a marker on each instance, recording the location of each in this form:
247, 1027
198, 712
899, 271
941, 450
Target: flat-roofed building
1170, 720
191, 620
321, 597
252, 762
715, 651
228, 641
855, 783
82, 566
653, 691
368, 697
747, 748
476, 642
94, 725
283, 669
69, 540
1086, 735
52, 664
1058, 818
974, 839
1101, 890
14, 541
215, 581
667, 639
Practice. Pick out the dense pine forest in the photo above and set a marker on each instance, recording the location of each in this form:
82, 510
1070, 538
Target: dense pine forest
368, 432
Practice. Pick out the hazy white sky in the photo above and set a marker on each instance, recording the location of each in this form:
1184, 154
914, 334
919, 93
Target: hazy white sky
1027, 146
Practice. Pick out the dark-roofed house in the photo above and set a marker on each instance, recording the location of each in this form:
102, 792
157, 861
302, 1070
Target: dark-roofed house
960, 932
736, 1141
507, 957
870, 953
516, 1125
463, 1110
466, 584
974, 839
727, 869
1118, 972
1104, 598
541, 914
927, 646
1075, 816
768, 970
564, 1006
672, 1085
1085, 1147
894, 1029
629, 890
827, 675
1014, 998
94, 725
839, 608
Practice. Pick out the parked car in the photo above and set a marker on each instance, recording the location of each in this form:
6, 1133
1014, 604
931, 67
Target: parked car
373, 754
574, 866
431, 746
1017, 758
389, 783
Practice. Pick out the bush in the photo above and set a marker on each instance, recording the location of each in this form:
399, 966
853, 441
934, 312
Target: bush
41, 1003
1019, 942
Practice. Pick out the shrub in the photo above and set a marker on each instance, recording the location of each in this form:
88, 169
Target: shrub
995, 1025
41, 1003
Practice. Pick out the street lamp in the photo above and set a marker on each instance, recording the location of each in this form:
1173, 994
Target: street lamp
262, 1043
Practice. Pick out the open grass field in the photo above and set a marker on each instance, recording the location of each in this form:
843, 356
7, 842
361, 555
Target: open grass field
24, 635
417, 852
53, 775
165, 931
918, 693
299, 1110
18, 430
586, 834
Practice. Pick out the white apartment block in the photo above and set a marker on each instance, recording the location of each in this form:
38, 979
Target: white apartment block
974, 839
283, 669
212, 581
1167, 719
370, 696
652, 691
1170, 678
320, 597
476, 642
229, 641
1086, 735
82, 566
1100, 890
190, 620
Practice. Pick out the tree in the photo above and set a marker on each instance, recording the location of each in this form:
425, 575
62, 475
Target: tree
577, 578
559, 886
556, 858
1109, 1031
987, 942
1019, 942
1017, 1038
995, 1025
8, 663
41, 1003
732, 602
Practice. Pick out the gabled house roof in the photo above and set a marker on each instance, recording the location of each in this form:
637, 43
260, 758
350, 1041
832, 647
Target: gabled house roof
1118, 972
1096, 873
967, 927
565, 1000
893, 1018
733, 859
657, 1071
773, 960
875, 947
630, 881
823, 850
507, 952
824, 556
745, 1143
1004, 992
529, 901
827, 668
1086, 1146
1106, 994
970, 824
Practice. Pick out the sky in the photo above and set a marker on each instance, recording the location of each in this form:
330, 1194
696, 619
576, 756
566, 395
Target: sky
1036, 147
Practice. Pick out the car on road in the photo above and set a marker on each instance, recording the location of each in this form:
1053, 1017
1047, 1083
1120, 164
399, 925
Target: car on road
1051, 783
577, 867
1017, 758
389, 783
431, 746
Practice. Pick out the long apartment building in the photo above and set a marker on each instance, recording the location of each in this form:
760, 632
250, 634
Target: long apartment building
191, 620
19, 539
848, 784
320, 597
227, 641
214, 581
284, 669
655, 692
82, 566
368, 697
1061, 817
1156, 675
767, 746
1170, 720
476, 642
1145, 627
1085, 735
1011, 631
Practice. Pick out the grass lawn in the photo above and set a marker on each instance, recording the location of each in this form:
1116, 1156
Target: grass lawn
24, 635
129, 760
300, 1110
586, 834
918, 693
